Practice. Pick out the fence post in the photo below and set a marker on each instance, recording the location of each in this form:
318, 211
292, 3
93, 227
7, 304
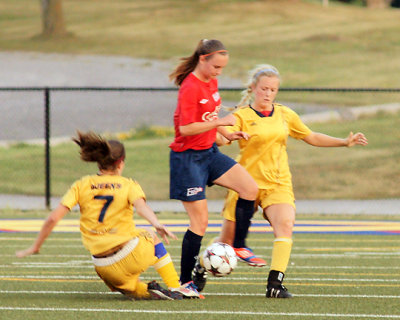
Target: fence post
47, 145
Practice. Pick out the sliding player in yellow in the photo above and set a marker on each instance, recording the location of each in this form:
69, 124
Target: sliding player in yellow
264, 156
120, 251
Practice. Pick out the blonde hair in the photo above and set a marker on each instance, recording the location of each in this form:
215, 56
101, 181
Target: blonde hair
94, 148
254, 75
205, 48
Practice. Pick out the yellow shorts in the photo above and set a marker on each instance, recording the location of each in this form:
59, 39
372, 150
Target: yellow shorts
121, 271
265, 198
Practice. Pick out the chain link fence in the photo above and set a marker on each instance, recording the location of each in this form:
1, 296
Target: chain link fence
37, 124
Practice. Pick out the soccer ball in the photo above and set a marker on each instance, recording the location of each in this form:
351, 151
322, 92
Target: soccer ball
219, 259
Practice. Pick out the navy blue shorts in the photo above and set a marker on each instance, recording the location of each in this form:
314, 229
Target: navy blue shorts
192, 170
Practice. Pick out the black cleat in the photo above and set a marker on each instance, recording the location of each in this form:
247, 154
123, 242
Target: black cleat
279, 291
199, 275
159, 293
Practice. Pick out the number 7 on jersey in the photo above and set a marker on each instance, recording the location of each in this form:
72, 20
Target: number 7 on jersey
108, 200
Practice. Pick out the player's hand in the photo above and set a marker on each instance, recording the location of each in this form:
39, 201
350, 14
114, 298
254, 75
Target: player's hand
357, 138
165, 233
238, 135
26, 252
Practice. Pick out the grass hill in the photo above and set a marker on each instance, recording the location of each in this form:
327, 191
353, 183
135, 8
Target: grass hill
336, 46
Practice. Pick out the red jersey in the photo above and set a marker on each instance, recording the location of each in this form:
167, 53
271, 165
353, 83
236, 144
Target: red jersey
198, 101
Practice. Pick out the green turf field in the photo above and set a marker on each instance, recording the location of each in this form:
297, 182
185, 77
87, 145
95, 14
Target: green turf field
332, 276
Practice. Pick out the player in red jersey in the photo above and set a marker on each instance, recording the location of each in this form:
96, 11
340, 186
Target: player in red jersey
195, 160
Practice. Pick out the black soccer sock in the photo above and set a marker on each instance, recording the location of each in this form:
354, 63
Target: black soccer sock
244, 212
190, 249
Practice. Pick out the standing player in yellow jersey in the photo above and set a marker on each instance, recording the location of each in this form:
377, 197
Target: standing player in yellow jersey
120, 251
264, 156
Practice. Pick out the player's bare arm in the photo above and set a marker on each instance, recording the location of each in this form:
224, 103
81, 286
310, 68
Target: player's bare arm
322, 140
200, 127
147, 213
48, 226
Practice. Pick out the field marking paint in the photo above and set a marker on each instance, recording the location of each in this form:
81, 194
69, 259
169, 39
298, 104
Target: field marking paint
77, 277
207, 294
76, 238
212, 282
258, 226
248, 313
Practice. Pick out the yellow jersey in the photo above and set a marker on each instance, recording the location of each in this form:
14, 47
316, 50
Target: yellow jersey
264, 155
106, 206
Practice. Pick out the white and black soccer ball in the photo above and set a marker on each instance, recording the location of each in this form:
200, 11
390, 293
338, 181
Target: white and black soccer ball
219, 259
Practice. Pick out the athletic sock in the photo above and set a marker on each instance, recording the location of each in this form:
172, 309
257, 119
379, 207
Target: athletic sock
165, 267
281, 254
190, 249
275, 278
140, 292
243, 213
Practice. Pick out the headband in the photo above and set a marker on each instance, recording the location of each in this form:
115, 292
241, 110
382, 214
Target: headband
118, 161
265, 71
218, 51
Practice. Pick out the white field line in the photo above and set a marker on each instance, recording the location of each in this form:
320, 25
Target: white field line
211, 279
206, 294
354, 254
208, 312
176, 258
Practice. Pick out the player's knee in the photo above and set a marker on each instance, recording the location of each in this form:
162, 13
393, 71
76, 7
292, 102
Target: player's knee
286, 227
199, 226
249, 191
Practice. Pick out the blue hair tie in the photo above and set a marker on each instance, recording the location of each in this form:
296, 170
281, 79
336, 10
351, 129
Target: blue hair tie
264, 71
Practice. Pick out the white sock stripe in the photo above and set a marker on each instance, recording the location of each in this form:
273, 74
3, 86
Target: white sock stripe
163, 261
289, 240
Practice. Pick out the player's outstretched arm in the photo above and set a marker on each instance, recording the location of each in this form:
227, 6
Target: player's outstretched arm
322, 140
147, 213
48, 226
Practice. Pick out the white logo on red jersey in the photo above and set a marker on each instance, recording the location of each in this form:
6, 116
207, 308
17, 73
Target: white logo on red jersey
209, 116
203, 101
216, 96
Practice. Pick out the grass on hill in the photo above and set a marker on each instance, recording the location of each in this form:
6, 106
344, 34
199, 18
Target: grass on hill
312, 45
318, 173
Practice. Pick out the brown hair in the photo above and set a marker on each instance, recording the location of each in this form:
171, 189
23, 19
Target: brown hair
205, 47
94, 148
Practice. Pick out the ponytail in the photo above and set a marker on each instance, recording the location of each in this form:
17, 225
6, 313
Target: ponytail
205, 48
94, 148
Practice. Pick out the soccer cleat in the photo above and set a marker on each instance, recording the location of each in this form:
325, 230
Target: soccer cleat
188, 290
159, 293
278, 291
199, 275
247, 255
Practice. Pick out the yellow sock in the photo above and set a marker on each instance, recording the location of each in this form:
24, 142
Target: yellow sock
166, 269
141, 291
281, 254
